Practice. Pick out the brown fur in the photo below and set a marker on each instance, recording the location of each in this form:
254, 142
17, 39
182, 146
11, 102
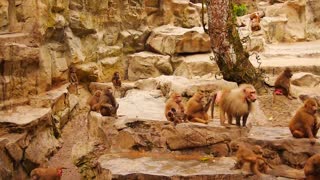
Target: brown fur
174, 109
49, 173
108, 104
116, 80
73, 79
94, 101
283, 82
245, 155
304, 123
255, 21
312, 168
195, 110
236, 103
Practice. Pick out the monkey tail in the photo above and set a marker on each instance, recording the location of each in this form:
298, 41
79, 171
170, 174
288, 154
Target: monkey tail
212, 104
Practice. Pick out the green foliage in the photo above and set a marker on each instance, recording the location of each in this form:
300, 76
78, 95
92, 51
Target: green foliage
240, 10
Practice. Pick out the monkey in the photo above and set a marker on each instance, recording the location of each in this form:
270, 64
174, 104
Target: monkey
235, 103
282, 84
108, 104
49, 173
73, 79
176, 117
195, 111
245, 155
174, 109
312, 167
116, 80
94, 101
304, 123
255, 21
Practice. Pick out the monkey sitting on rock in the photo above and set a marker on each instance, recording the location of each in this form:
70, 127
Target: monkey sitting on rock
104, 102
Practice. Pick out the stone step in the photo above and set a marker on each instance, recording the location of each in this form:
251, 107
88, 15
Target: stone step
298, 49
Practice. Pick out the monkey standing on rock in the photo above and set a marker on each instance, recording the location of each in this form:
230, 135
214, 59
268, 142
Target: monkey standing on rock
73, 79
235, 103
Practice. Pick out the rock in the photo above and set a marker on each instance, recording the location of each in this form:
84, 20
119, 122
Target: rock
255, 44
133, 40
294, 28
305, 79
183, 135
190, 17
146, 64
175, 40
19, 52
274, 28
78, 26
312, 19
187, 87
142, 104
75, 47
88, 72
196, 65
111, 65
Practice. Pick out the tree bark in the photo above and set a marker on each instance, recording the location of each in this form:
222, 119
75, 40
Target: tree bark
12, 15
230, 56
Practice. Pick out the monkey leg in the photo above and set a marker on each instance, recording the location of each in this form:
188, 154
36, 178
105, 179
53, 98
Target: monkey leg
238, 118
298, 134
254, 168
229, 118
222, 117
244, 120
199, 120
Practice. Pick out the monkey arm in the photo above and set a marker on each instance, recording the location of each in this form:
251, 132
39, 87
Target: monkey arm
308, 168
206, 108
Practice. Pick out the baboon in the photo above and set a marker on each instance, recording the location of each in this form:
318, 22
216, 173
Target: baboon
108, 104
245, 155
304, 123
196, 111
116, 80
235, 103
255, 21
174, 109
94, 101
49, 173
73, 79
312, 168
283, 83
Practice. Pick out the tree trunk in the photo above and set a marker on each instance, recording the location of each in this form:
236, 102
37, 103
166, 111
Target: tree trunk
12, 15
231, 58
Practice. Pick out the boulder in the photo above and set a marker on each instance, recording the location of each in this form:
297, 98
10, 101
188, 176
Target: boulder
312, 19
305, 79
109, 66
80, 27
88, 72
133, 40
196, 65
146, 64
175, 40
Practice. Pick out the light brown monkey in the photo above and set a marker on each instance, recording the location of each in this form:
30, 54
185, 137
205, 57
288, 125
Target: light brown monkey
283, 83
174, 109
108, 104
196, 111
235, 103
312, 168
255, 21
73, 78
94, 101
304, 123
116, 80
49, 173
246, 155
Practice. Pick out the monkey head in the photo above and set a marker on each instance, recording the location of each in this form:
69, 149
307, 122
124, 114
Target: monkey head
116, 75
311, 106
176, 97
107, 92
234, 146
97, 93
198, 96
72, 69
249, 92
288, 73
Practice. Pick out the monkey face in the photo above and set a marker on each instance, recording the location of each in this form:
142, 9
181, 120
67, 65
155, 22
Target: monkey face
178, 98
97, 93
288, 73
311, 106
250, 94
